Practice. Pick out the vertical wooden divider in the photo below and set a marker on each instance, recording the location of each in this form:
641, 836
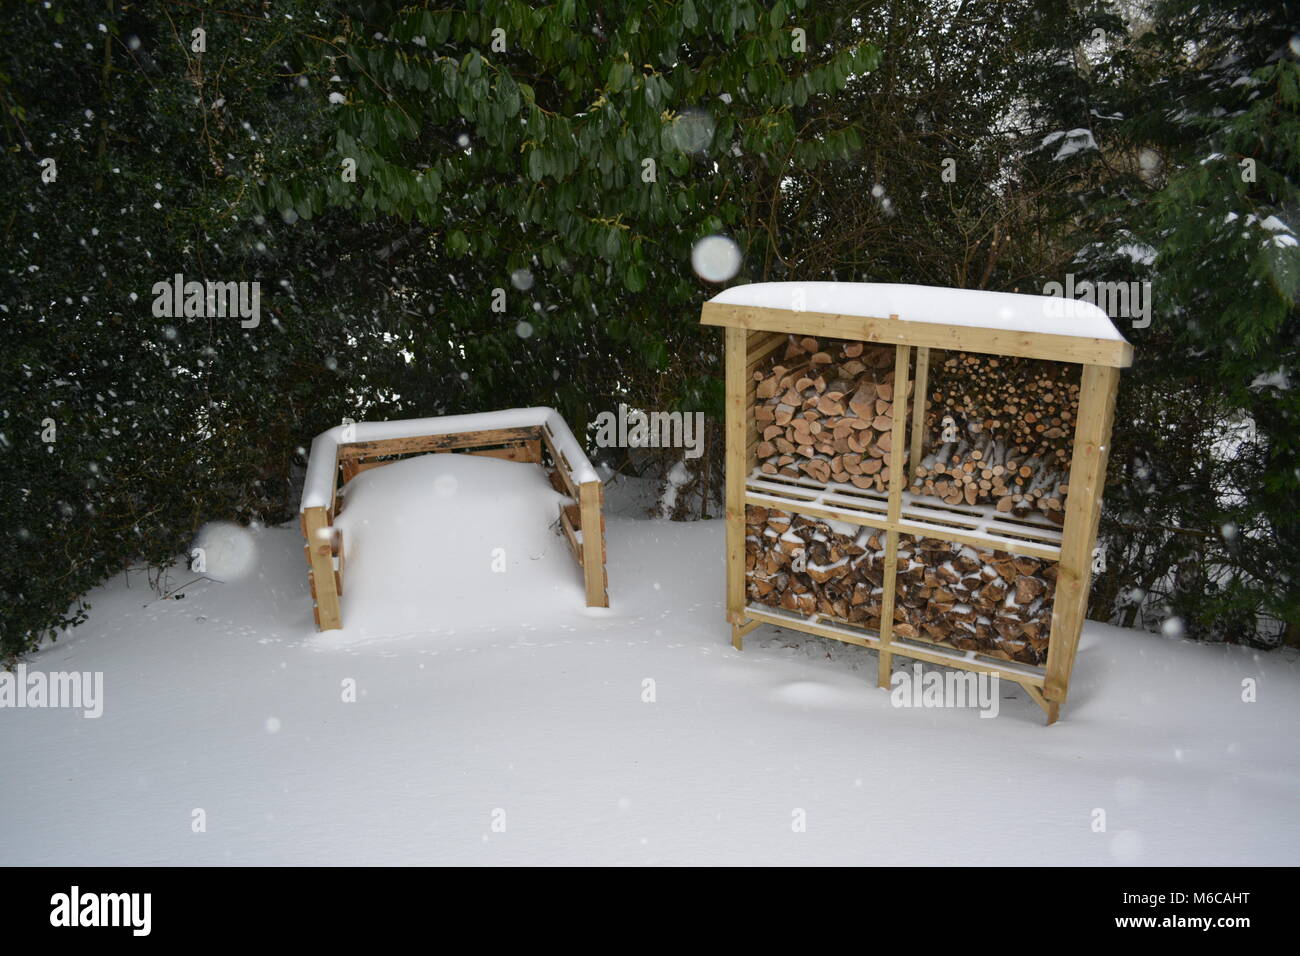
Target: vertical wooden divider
920, 402
897, 479
737, 472
1082, 512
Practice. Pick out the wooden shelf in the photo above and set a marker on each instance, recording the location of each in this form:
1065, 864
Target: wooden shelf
978, 525
908, 647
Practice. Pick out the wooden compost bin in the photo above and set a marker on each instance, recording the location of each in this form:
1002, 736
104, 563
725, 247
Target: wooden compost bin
535, 435
917, 470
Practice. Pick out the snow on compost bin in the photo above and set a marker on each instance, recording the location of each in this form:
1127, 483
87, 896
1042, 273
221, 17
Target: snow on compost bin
917, 470
517, 434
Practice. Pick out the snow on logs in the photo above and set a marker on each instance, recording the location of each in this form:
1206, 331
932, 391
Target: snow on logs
825, 410
973, 599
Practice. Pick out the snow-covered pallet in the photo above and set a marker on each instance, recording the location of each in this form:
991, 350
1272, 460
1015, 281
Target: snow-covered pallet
530, 435
910, 321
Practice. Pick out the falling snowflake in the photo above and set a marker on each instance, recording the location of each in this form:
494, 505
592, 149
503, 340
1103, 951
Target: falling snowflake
716, 258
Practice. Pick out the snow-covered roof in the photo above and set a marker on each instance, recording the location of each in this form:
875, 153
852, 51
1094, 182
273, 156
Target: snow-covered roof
322, 465
1024, 317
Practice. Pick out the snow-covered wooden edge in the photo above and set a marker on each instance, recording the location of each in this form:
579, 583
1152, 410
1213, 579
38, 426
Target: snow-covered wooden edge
1003, 323
516, 434
322, 465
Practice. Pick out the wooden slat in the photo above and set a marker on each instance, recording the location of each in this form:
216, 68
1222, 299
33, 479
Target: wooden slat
758, 353
933, 654
920, 402
1013, 546
570, 530
561, 466
811, 627
897, 479
1115, 353
906, 526
519, 452
320, 544
738, 416
902, 355
593, 543
429, 443
340, 560
1082, 512
359, 466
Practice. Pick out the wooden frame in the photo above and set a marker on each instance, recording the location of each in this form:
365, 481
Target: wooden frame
752, 333
339, 451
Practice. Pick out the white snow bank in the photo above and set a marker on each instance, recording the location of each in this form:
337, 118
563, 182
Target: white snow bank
636, 736
1007, 311
441, 542
318, 487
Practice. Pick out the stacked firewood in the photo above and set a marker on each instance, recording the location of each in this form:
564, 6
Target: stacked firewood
969, 598
825, 409
813, 566
975, 599
999, 430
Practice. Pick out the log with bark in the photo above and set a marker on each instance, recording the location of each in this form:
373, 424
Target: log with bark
824, 409
977, 599
813, 566
1000, 431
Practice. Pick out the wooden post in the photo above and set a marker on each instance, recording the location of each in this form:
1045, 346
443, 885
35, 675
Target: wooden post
737, 471
1082, 512
590, 495
920, 401
897, 480
320, 551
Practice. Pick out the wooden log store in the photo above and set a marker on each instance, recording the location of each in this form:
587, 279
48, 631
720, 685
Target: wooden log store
530, 435
917, 470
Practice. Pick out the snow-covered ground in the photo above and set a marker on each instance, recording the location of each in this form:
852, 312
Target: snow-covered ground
497, 720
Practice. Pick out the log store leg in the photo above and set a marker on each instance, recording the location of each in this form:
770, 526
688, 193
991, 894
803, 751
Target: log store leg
736, 470
320, 554
591, 494
1082, 512
897, 480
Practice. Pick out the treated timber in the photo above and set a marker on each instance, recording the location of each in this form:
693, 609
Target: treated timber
523, 452
1024, 675
520, 444
421, 444
562, 466
895, 331
906, 525
569, 525
591, 505
897, 480
764, 328
737, 419
1082, 512
920, 401
320, 554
